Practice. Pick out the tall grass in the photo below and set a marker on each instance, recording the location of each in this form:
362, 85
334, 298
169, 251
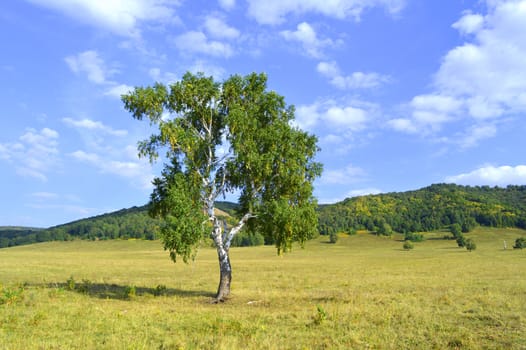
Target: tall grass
364, 292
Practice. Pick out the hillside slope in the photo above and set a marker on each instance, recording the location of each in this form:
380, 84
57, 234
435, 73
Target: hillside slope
428, 209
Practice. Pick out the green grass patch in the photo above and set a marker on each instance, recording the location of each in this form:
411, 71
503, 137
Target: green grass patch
363, 292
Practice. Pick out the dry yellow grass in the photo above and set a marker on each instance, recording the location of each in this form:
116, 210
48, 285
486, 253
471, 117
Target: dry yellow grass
364, 292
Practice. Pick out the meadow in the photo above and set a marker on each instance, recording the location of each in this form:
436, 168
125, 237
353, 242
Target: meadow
364, 292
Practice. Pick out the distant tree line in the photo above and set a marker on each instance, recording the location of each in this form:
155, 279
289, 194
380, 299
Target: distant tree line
123, 224
132, 223
427, 209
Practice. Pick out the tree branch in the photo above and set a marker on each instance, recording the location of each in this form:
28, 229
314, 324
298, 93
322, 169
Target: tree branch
234, 230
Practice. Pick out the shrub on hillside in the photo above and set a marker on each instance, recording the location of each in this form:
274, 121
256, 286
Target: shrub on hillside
461, 241
408, 245
333, 237
247, 239
470, 245
414, 237
520, 243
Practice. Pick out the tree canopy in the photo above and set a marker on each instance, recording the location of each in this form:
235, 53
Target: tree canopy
226, 137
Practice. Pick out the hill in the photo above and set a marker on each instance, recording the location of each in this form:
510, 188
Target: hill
428, 209
127, 223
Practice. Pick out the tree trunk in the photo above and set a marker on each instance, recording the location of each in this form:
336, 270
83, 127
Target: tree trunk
225, 277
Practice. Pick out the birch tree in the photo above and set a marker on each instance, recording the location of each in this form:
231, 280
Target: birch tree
225, 137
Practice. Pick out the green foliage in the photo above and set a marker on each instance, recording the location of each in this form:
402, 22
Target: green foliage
10, 296
266, 160
176, 201
130, 292
320, 316
70, 283
408, 245
333, 237
413, 237
520, 243
385, 229
461, 241
159, 290
429, 209
248, 239
470, 244
456, 230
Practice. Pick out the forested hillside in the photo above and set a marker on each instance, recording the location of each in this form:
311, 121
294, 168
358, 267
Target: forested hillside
428, 209
124, 224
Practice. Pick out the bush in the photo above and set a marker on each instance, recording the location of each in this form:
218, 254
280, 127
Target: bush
456, 230
520, 243
130, 292
470, 245
461, 241
247, 239
408, 245
414, 237
333, 237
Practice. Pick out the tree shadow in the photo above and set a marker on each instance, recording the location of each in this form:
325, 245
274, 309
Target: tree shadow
125, 292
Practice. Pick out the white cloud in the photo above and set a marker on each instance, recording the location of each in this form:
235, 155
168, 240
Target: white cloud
35, 154
164, 77
492, 176
217, 28
403, 125
91, 64
120, 17
275, 11
227, 4
352, 116
208, 69
306, 35
363, 192
119, 90
85, 157
197, 42
357, 80
89, 124
480, 81
138, 171
349, 174
44, 195
477, 133
469, 23
348, 117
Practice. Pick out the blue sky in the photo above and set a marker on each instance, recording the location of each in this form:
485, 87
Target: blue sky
401, 93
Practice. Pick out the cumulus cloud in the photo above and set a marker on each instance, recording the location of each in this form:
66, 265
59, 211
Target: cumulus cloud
217, 28
119, 17
469, 23
227, 4
197, 42
89, 63
352, 116
275, 11
307, 37
118, 90
207, 68
89, 124
480, 81
349, 174
135, 170
34, 154
356, 80
492, 176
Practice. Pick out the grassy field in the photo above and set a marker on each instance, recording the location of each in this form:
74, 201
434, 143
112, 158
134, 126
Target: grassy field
364, 292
